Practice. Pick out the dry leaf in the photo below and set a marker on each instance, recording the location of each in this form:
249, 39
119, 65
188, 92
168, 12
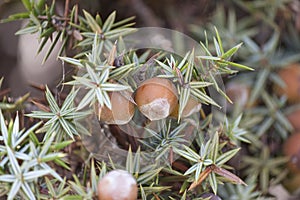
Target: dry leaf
202, 177
227, 174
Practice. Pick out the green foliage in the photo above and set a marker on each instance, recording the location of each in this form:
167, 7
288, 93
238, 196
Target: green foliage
264, 167
61, 120
241, 192
104, 64
234, 133
16, 169
209, 162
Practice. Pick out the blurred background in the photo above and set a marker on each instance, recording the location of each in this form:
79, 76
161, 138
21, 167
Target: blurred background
21, 66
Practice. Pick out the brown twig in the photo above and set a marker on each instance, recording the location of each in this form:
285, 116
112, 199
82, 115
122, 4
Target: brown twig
67, 3
4, 92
